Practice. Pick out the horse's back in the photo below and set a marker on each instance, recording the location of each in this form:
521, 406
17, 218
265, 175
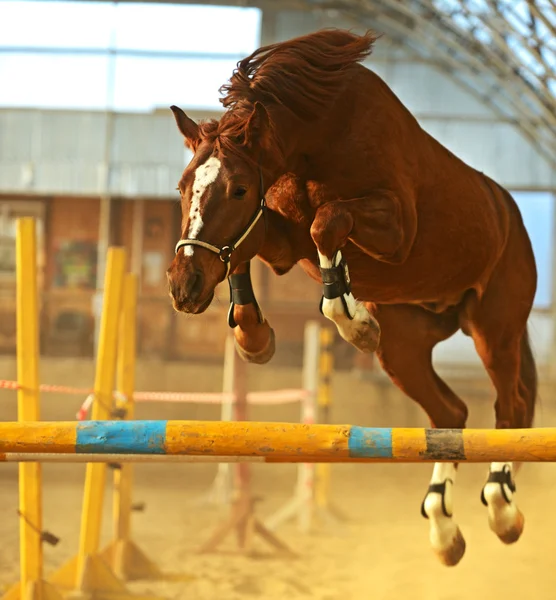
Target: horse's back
462, 219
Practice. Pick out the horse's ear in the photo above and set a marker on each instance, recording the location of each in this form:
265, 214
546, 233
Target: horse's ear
259, 126
188, 128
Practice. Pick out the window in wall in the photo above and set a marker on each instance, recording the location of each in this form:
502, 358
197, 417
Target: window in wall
47, 24
143, 84
9, 213
46, 81
230, 30
537, 210
163, 53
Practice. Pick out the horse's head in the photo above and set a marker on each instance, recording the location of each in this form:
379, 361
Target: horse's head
222, 199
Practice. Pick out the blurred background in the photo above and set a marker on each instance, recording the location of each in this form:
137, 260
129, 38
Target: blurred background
88, 144
89, 147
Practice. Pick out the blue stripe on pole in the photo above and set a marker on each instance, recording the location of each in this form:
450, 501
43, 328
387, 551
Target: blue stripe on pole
370, 442
113, 437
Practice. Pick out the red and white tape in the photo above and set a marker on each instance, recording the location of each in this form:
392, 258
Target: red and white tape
9, 385
85, 407
183, 397
274, 397
60, 389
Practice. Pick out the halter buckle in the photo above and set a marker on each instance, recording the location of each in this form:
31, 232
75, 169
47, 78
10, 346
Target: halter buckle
225, 253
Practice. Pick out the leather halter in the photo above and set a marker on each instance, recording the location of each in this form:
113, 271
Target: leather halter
225, 252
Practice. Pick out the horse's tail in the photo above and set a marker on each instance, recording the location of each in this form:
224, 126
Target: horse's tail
528, 379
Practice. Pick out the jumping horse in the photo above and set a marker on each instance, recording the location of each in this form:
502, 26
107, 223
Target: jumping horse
316, 161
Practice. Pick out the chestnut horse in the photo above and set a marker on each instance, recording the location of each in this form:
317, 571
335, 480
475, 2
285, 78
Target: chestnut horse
317, 162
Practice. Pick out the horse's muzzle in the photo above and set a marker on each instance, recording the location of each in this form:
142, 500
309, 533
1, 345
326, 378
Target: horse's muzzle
187, 285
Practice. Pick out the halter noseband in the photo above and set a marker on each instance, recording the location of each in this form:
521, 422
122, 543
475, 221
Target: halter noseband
225, 252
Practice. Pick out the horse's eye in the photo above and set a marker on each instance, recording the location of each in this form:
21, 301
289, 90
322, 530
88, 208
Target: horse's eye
240, 191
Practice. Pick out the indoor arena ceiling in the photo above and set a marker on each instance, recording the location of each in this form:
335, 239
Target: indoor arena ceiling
502, 51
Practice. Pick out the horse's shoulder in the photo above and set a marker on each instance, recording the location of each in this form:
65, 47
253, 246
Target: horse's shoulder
288, 197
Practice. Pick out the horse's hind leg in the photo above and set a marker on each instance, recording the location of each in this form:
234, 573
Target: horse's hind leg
498, 325
501, 356
502, 343
409, 335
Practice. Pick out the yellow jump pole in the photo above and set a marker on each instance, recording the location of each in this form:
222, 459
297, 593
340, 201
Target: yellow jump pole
127, 560
30, 500
303, 502
32, 586
125, 385
88, 575
324, 400
95, 478
325, 507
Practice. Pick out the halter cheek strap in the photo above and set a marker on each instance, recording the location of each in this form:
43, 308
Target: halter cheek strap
225, 252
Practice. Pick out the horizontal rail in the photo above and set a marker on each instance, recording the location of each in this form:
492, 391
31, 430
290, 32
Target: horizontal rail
278, 442
43, 457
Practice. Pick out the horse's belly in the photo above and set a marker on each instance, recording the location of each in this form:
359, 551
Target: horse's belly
454, 251
436, 282
432, 286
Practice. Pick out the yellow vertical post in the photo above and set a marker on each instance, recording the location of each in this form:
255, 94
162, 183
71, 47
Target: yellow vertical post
88, 575
127, 560
324, 400
31, 586
30, 501
326, 366
95, 478
125, 385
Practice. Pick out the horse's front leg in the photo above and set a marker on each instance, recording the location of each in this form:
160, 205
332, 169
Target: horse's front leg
354, 322
254, 337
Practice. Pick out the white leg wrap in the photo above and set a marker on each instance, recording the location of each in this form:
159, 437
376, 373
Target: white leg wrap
445, 536
504, 517
356, 330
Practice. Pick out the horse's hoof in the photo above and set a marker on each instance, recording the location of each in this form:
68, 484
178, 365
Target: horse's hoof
451, 555
366, 337
261, 357
513, 533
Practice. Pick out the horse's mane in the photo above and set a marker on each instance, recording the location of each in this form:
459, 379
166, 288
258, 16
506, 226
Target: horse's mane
302, 77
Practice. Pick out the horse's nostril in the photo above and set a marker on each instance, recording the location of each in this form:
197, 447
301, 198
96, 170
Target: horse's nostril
195, 285
186, 286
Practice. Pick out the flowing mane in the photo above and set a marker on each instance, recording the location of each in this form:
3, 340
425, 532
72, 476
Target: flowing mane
302, 76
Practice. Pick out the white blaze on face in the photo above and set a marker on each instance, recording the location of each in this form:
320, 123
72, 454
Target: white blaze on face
204, 176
